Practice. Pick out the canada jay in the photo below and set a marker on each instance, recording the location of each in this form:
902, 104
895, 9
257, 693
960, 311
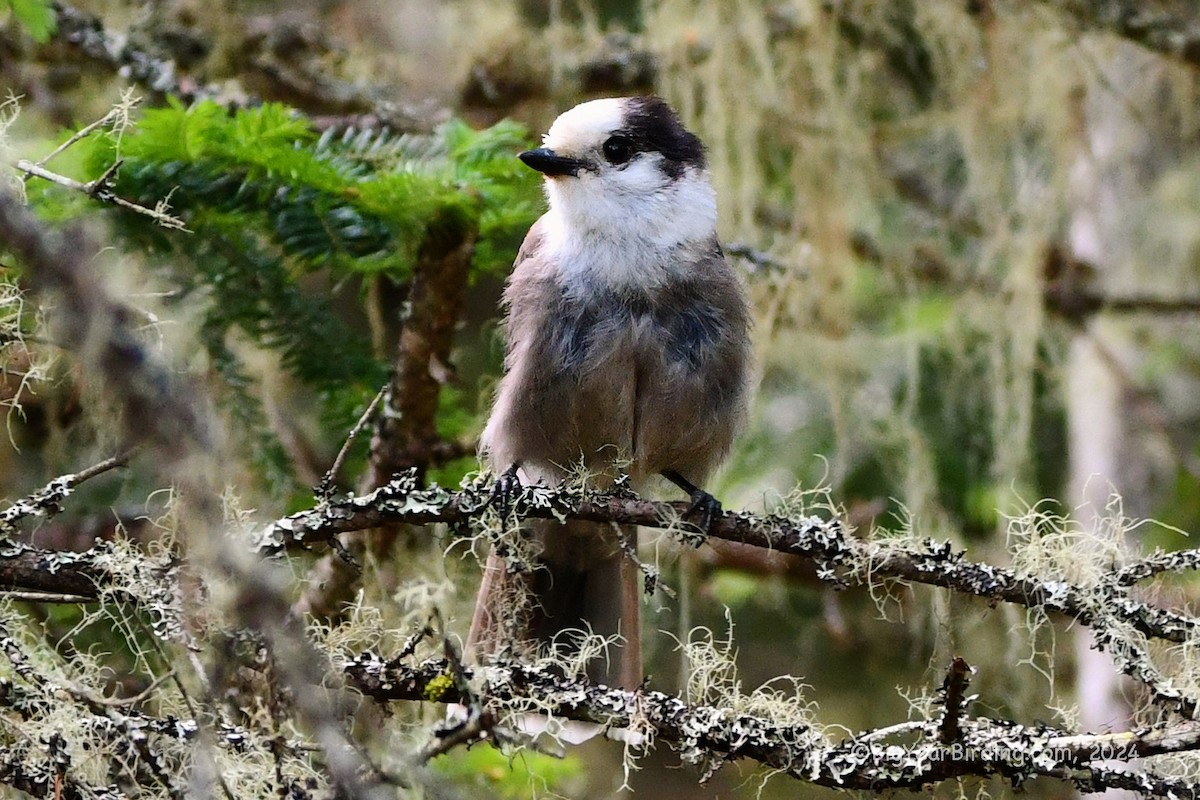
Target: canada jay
628, 350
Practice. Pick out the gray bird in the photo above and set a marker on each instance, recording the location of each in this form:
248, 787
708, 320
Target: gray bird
628, 350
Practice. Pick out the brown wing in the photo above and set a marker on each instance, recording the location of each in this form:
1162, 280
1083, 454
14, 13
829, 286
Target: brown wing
693, 369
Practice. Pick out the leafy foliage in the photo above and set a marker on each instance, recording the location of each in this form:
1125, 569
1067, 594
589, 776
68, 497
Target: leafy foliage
37, 16
268, 201
494, 774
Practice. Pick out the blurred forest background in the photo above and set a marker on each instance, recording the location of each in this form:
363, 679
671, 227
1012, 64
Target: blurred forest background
970, 230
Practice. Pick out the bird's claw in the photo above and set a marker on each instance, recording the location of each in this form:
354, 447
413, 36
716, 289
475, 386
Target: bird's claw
703, 502
708, 507
505, 490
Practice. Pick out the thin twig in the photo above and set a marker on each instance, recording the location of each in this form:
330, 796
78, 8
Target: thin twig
47, 500
325, 489
101, 190
98, 701
476, 728
45, 597
757, 259
113, 113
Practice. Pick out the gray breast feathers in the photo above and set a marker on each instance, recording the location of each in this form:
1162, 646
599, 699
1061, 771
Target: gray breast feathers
652, 375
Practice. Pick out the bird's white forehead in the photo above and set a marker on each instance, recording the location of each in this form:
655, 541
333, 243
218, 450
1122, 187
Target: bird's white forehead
585, 126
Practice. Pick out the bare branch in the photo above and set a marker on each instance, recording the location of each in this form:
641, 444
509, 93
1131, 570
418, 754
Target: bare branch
44, 597
757, 260
101, 190
406, 435
325, 490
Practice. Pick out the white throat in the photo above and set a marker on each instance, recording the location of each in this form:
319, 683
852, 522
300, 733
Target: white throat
604, 235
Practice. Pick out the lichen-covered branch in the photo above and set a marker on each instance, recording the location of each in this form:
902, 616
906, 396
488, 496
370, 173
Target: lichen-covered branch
952, 744
704, 734
174, 426
837, 555
1158, 563
105, 570
267, 60
146, 749
86, 33
47, 501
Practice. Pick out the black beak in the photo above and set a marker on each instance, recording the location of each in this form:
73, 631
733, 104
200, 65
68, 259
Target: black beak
549, 163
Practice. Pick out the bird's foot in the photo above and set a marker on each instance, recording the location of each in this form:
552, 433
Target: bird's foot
703, 503
506, 490
708, 507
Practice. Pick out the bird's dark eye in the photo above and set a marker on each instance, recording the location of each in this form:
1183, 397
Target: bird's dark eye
618, 150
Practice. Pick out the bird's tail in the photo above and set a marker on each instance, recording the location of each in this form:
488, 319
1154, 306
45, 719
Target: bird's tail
584, 580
